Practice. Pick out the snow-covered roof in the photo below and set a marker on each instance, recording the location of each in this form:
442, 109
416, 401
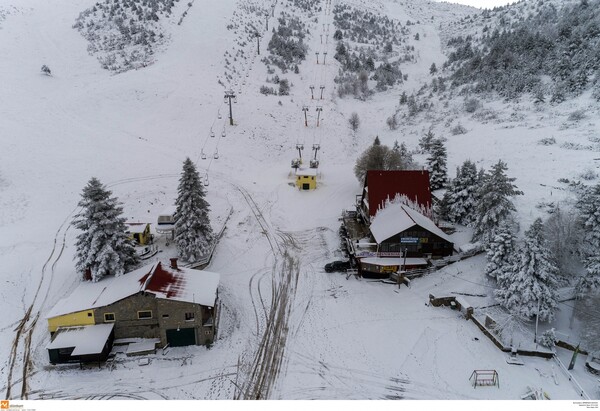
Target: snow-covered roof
182, 284
169, 210
396, 218
306, 172
87, 339
393, 261
136, 228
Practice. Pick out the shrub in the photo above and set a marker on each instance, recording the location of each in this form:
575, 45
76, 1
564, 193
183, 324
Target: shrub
577, 115
458, 129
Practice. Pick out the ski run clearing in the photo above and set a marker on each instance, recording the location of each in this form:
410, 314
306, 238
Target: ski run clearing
287, 330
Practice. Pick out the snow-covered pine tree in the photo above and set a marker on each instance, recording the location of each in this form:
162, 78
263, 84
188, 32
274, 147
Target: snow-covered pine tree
407, 162
103, 246
533, 283
193, 232
436, 164
426, 141
588, 205
464, 194
494, 202
563, 235
501, 254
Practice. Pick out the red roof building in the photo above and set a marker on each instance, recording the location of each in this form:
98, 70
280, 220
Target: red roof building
382, 186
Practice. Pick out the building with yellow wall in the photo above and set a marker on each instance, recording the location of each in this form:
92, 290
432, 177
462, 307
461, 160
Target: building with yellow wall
306, 178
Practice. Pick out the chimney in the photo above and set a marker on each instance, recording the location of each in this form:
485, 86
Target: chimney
174, 263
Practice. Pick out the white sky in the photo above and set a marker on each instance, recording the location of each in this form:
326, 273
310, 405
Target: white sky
482, 3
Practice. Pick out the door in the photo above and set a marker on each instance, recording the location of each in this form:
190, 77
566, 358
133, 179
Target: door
306, 186
181, 337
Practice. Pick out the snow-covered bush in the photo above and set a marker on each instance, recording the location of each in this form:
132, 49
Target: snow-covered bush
547, 141
458, 129
577, 115
548, 338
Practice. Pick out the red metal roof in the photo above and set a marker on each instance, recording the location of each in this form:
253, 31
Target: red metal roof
387, 184
168, 283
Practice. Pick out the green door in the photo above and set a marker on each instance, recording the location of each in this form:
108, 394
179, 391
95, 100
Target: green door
181, 337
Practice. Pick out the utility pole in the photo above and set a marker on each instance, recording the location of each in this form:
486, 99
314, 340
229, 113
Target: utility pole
229, 95
312, 95
322, 88
324, 56
267, 21
257, 35
321, 39
319, 110
537, 317
327, 39
305, 109
317, 54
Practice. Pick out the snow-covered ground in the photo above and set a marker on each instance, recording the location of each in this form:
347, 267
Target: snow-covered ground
340, 338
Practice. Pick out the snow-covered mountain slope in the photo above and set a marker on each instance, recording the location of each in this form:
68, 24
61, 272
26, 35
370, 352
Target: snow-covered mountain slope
133, 131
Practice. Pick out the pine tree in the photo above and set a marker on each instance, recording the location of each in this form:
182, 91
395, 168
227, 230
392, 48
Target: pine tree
463, 195
103, 246
588, 205
426, 141
533, 283
406, 159
494, 202
193, 232
501, 254
436, 164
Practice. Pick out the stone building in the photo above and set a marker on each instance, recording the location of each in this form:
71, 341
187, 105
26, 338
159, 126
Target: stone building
171, 304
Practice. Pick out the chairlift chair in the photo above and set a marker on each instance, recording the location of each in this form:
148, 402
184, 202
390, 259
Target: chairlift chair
206, 180
216, 156
203, 155
219, 116
223, 134
212, 133
314, 163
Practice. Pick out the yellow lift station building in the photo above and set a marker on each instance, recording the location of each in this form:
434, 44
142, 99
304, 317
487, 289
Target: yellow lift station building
306, 178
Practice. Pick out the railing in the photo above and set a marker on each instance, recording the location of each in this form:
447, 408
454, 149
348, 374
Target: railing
576, 384
203, 261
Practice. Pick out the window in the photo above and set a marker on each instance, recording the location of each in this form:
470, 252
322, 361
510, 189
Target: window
143, 315
189, 316
89, 314
165, 316
109, 317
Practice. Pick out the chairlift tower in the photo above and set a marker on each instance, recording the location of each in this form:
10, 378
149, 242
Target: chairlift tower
257, 35
305, 109
319, 110
230, 95
314, 163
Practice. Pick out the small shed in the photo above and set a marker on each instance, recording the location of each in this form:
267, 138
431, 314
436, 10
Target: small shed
306, 178
139, 232
88, 343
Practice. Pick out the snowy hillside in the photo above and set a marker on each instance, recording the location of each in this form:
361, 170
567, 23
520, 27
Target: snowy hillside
287, 330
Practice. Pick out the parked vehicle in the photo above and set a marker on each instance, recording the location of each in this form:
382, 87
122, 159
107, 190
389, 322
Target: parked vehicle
338, 266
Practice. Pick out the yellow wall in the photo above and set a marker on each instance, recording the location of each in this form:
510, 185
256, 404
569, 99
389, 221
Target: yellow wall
68, 320
311, 180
